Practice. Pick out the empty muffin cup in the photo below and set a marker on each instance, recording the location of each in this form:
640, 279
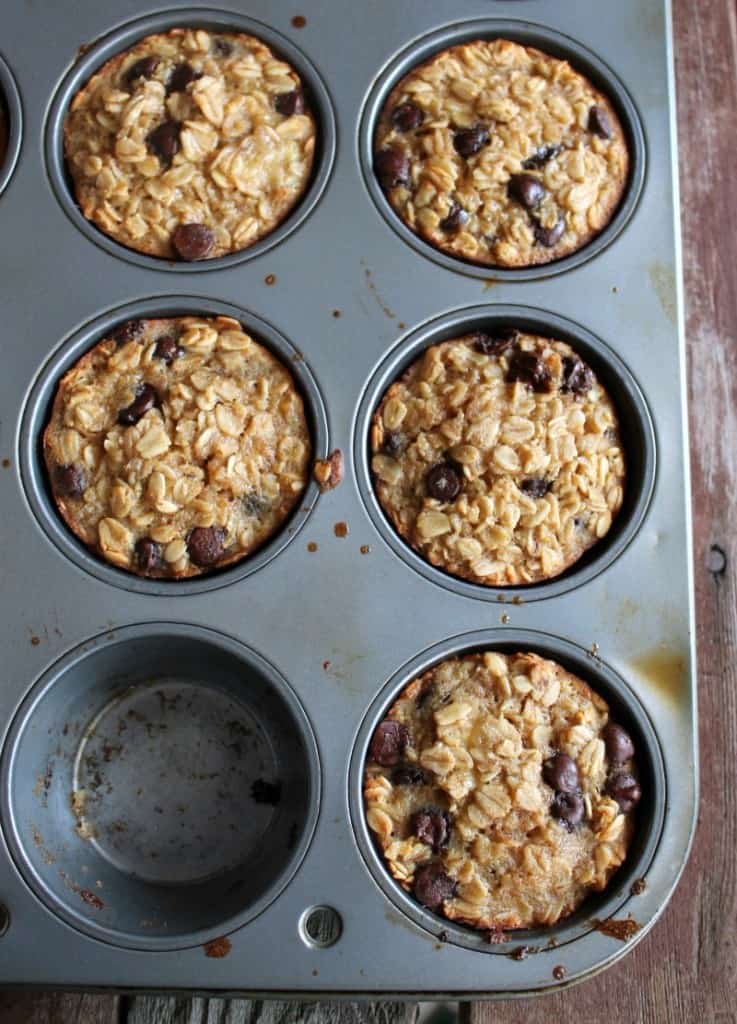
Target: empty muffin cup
386, 788
11, 124
160, 786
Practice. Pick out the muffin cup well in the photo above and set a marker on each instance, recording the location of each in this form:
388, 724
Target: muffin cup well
638, 437
625, 709
528, 34
122, 39
160, 786
38, 406
11, 103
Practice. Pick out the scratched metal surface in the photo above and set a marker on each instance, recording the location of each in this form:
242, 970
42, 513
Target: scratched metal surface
337, 623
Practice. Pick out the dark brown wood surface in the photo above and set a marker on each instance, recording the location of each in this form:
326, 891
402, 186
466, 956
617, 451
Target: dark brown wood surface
683, 972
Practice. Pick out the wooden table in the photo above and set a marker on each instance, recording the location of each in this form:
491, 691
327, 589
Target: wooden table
683, 971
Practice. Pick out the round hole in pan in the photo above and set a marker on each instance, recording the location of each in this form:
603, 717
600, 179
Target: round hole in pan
144, 777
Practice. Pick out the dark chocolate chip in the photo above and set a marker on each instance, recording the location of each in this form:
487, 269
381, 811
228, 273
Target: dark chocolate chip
143, 68
526, 189
205, 545
625, 789
599, 123
146, 398
263, 792
289, 103
455, 219
409, 775
542, 155
193, 241
167, 349
561, 773
222, 48
128, 331
497, 343
432, 827
535, 486
577, 376
568, 808
550, 236
470, 141
182, 75
164, 141
407, 116
148, 554
393, 442
443, 481
392, 168
529, 369
389, 742
619, 745
69, 481
432, 886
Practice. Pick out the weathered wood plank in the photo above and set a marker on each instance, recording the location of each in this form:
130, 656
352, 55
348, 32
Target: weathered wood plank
57, 1008
683, 970
170, 1010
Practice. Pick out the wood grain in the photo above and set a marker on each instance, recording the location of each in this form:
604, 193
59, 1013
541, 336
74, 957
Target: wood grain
683, 971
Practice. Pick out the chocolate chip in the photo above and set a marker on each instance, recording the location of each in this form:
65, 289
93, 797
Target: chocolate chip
143, 68
455, 219
535, 486
69, 481
409, 775
128, 331
289, 103
222, 48
443, 481
389, 742
550, 236
526, 189
619, 745
392, 168
182, 75
432, 886
599, 123
568, 808
561, 773
469, 141
148, 554
529, 369
205, 545
146, 398
193, 241
407, 116
167, 349
625, 789
393, 442
497, 343
577, 376
542, 155
164, 141
432, 827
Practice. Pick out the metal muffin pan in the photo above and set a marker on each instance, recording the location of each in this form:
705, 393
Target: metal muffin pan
638, 439
329, 630
11, 104
624, 708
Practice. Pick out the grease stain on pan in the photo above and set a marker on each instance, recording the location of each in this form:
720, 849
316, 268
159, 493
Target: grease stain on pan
663, 280
218, 948
665, 668
622, 929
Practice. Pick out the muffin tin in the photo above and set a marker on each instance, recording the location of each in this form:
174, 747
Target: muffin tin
209, 839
